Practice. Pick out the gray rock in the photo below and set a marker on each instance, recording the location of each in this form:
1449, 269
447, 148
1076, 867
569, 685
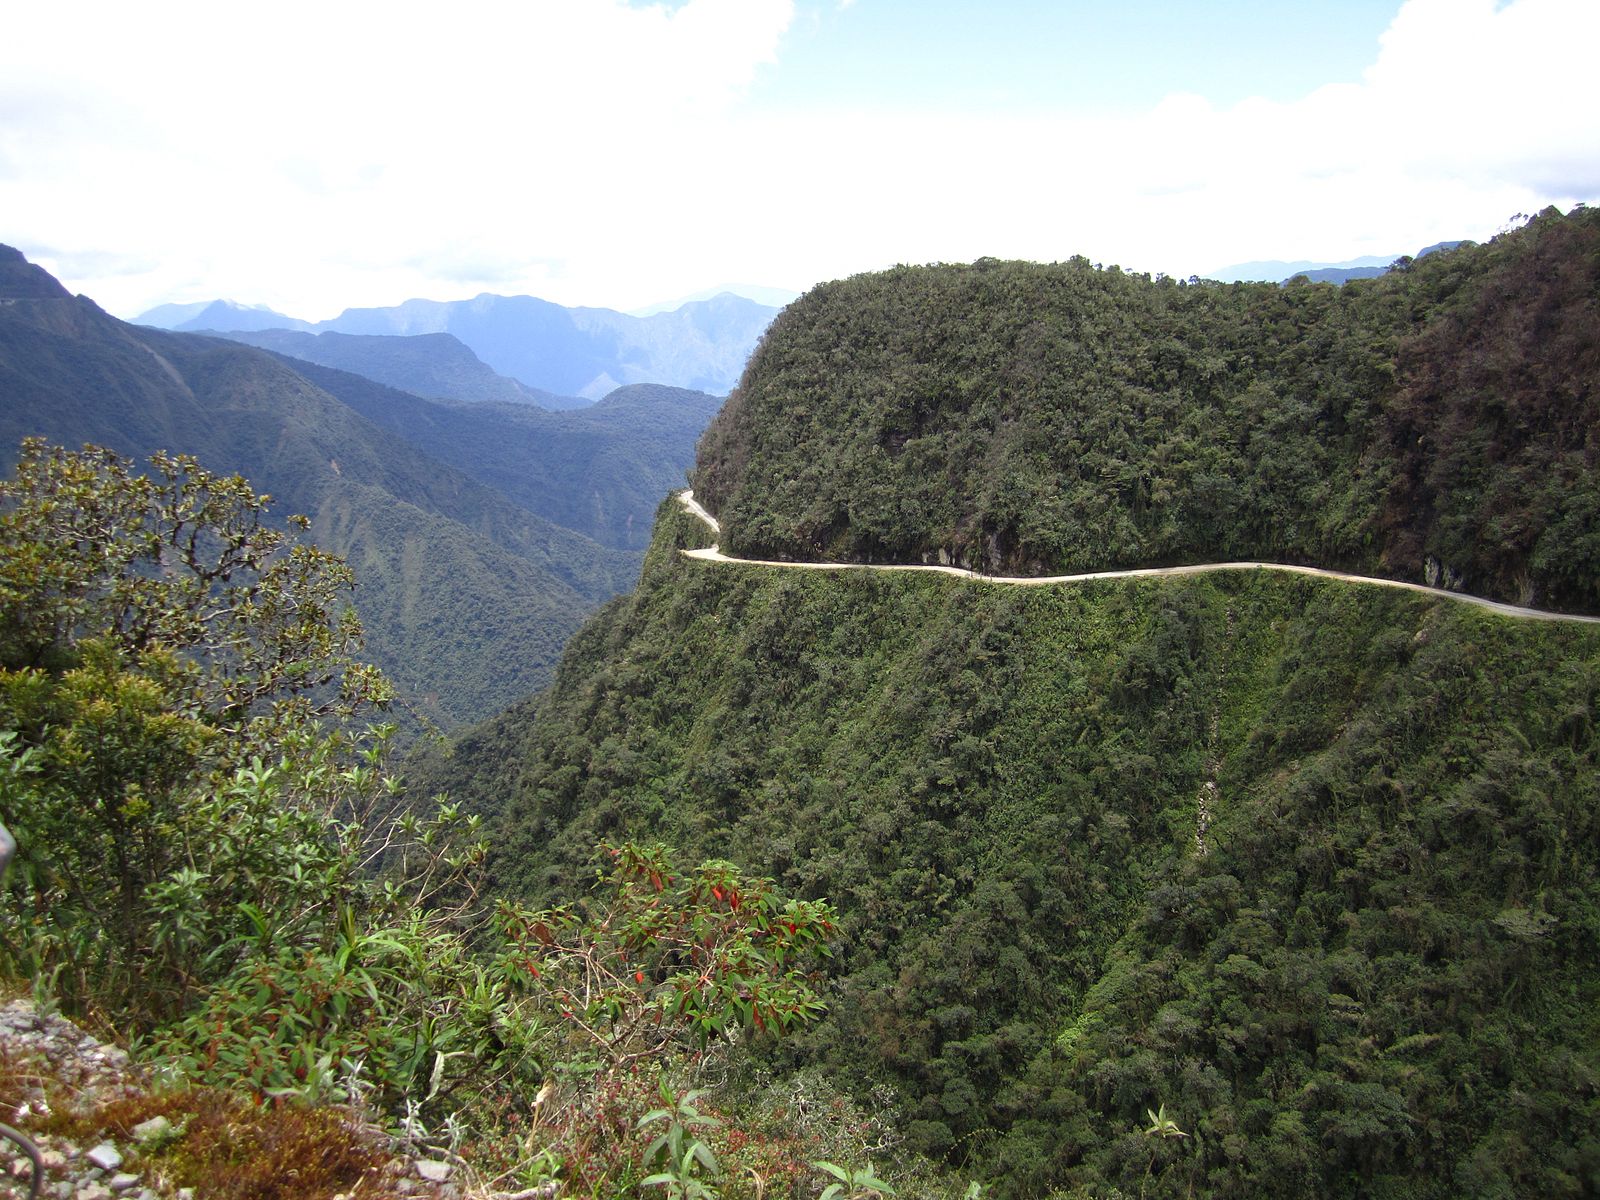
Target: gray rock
152, 1130
105, 1156
433, 1170
122, 1181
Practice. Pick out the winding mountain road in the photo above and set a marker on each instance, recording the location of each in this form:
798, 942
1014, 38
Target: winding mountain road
714, 554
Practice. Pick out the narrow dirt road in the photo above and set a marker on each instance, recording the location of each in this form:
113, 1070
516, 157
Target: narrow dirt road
714, 554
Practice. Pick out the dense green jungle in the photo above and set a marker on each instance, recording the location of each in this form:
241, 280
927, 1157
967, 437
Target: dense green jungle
1237, 883
1382, 927
1302, 871
1049, 418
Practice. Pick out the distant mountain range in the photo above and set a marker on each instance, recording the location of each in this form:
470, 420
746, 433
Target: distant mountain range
1272, 271
218, 315
772, 296
480, 534
582, 352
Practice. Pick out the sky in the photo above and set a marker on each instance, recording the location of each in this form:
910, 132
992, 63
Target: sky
316, 156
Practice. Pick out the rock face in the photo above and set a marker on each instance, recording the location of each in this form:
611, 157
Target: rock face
90, 1069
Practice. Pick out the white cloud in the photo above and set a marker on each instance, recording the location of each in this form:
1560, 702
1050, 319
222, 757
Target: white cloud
312, 156
1470, 112
353, 138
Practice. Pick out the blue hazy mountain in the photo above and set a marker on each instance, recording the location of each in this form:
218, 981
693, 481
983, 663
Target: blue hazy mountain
217, 315
584, 352
1273, 271
434, 365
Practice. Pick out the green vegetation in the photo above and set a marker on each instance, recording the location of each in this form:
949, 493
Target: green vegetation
1045, 419
1387, 927
1228, 885
470, 534
599, 470
215, 860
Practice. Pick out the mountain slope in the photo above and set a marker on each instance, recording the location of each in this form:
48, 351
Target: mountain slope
599, 470
1310, 868
467, 595
1273, 853
434, 365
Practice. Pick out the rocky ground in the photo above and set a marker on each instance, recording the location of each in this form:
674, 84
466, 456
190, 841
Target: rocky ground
46, 1060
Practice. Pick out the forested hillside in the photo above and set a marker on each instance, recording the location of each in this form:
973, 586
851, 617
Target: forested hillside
1229, 885
468, 595
1437, 421
1311, 864
599, 470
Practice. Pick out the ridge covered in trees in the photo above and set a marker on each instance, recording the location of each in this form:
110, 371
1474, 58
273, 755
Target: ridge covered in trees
1438, 422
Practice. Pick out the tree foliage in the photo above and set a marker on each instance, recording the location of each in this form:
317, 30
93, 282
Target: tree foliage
216, 857
158, 636
1044, 419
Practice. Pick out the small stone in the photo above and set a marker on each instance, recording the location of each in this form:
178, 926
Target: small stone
185, 1194
433, 1170
93, 1191
152, 1130
122, 1181
105, 1156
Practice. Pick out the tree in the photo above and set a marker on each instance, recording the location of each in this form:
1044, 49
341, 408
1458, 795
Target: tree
180, 561
158, 635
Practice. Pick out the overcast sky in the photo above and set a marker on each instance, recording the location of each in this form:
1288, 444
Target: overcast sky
313, 156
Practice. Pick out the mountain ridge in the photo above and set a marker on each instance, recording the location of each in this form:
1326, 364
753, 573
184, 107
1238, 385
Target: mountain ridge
587, 352
436, 366
1028, 419
468, 596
